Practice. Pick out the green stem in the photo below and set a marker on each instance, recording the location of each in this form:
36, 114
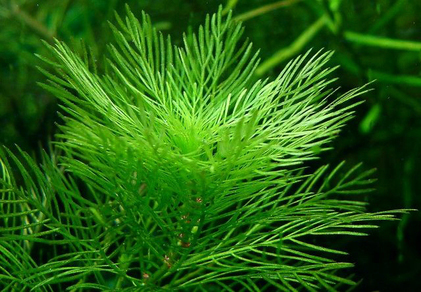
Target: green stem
33, 23
230, 5
185, 278
158, 274
381, 42
407, 80
264, 9
390, 14
124, 263
294, 48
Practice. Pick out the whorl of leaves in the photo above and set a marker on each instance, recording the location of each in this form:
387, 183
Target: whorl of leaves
174, 170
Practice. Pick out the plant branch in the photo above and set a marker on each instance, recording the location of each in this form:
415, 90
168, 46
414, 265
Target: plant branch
264, 9
286, 53
33, 23
382, 42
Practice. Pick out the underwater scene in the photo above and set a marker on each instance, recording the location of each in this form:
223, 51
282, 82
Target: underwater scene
219, 145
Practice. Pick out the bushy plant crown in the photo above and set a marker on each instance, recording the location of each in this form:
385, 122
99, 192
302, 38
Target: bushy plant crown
174, 170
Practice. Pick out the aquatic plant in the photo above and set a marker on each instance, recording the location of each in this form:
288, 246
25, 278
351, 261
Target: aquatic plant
175, 170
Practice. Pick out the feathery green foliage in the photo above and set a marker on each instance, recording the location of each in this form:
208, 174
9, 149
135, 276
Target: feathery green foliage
174, 171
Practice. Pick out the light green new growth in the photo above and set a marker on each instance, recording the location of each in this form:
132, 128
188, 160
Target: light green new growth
174, 171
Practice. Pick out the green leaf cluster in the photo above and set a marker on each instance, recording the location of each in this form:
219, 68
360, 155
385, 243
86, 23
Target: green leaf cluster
174, 170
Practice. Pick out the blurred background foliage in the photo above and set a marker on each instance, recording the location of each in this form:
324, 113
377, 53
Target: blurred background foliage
373, 40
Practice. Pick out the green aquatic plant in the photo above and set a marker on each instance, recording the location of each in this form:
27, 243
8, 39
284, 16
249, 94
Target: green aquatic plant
173, 170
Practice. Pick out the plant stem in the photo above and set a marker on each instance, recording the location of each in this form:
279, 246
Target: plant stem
388, 16
230, 5
294, 48
382, 42
124, 263
33, 23
264, 9
185, 278
407, 80
158, 274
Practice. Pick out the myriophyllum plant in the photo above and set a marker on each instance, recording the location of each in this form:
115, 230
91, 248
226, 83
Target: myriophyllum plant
174, 171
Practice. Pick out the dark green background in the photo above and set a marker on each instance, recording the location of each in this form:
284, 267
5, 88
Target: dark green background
386, 133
